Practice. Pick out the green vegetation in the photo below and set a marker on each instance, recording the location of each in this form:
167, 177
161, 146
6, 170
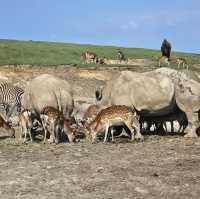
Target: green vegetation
50, 53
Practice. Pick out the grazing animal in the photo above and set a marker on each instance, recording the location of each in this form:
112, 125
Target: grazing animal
154, 94
120, 56
114, 116
54, 121
47, 90
163, 60
10, 97
91, 113
69, 131
182, 61
89, 57
100, 60
26, 124
6, 125
166, 48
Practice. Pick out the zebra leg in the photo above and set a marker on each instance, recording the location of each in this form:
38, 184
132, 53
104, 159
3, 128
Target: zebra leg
30, 135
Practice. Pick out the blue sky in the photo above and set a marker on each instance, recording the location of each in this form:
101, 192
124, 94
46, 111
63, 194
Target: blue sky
128, 23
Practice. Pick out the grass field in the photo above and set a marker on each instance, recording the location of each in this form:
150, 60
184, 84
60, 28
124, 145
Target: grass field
50, 53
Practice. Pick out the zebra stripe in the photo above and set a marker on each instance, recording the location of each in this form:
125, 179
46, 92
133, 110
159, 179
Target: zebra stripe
10, 97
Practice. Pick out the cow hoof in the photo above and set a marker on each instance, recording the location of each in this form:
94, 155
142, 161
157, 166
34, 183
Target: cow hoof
190, 135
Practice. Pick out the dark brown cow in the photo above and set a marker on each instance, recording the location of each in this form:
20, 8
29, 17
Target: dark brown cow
166, 48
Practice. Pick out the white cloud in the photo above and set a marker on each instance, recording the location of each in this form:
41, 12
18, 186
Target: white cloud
131, 25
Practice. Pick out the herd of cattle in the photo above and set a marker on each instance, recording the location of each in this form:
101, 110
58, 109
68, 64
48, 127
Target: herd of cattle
130, 102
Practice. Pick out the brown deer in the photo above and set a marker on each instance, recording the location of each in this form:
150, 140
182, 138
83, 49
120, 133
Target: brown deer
26, 124
113, 116
91, 113
7, 126
55, 122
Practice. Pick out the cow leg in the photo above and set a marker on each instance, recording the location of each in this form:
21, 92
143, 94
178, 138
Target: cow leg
193, 123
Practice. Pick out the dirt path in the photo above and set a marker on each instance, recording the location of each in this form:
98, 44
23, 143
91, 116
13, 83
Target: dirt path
160, 167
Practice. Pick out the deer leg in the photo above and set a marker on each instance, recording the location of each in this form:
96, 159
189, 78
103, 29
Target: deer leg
106, 132
21, 128
25, 135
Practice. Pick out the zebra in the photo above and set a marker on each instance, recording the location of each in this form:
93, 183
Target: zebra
10, 98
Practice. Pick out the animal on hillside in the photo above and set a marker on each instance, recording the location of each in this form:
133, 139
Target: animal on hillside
120, 56
113, 116
48, 90
166, 48
100, 60
89, 57
7, 126
26, 124
163, 60
182, 61
10, 98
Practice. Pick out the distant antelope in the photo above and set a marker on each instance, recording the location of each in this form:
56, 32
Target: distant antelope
89, 57
114, 116
163, 60
182, 61
7, 126
26, 124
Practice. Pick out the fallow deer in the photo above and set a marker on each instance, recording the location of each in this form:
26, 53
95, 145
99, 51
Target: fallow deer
113, 116
26, 124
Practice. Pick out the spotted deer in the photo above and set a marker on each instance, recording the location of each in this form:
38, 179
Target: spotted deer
7, 126
181, 61
113, 116
55, 122
163, 60
26, 124
91, 113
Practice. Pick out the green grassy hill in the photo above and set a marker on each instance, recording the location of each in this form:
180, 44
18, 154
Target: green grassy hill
50, 53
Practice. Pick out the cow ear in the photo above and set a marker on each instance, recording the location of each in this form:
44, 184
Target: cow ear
98, 93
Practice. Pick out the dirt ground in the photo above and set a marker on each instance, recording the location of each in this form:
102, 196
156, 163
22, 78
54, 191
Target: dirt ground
159, 167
